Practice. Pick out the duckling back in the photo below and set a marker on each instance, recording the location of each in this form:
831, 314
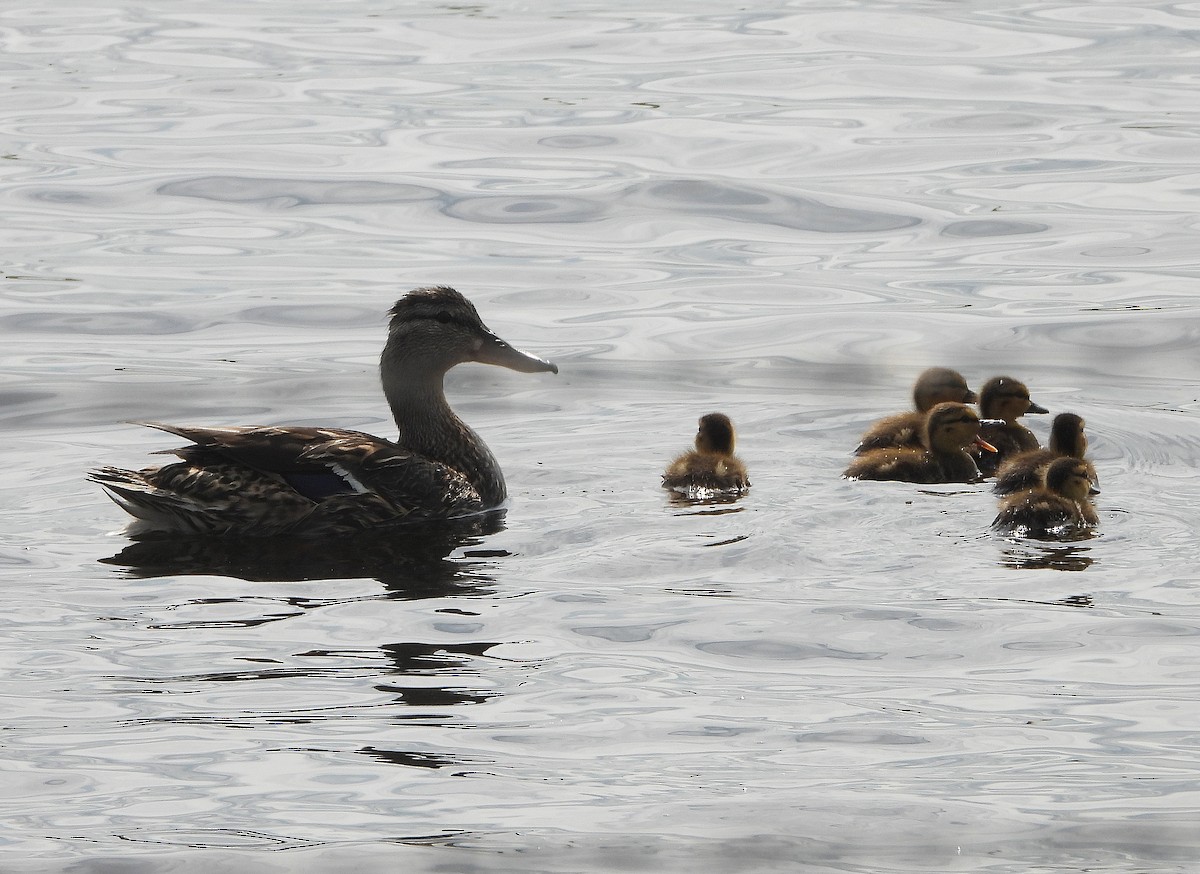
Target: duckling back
912, 465
711, 466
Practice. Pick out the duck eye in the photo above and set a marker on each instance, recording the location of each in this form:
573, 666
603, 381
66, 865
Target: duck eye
444, 317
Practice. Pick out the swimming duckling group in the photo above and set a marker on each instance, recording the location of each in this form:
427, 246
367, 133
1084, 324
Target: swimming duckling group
1045, 491
271, 480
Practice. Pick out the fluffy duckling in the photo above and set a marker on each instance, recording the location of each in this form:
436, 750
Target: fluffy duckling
711, 466
1060, 506
934, 386
1003, 397
943, 459
1027, 470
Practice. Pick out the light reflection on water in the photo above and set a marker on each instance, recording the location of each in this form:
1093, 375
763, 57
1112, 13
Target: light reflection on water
781, 214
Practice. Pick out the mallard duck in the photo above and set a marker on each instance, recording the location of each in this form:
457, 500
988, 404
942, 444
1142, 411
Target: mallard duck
1060, 506
1027, 470
260, 481
934, 386
711, 466
949, 428
1007, 399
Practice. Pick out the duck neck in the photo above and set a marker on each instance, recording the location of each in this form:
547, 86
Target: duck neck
430, 428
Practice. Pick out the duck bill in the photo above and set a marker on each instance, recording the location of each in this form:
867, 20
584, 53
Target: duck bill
1093, 489
1036, 408
970, 397
493, 350
984, 445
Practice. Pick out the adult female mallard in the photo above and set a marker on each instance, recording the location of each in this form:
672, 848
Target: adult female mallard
1061, 506
1006, 399
260, 481
949, 428
1027, 470
934, 386
711, 467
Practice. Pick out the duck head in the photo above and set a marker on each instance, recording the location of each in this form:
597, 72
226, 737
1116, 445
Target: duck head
433, 329
1003, 397
951, 427
715, 434
941, 385
1071, 478
1067, 437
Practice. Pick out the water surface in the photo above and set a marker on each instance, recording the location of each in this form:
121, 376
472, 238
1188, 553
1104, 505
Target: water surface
783, 213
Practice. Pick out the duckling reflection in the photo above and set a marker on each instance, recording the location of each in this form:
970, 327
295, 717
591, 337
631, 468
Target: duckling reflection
1062, 506
711, 469
1006, 399
1055, 558
934, 386
1027, 470
412, 664
411, 561
949, 429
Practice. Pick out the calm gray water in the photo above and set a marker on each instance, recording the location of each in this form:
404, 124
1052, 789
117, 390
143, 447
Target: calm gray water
784, 213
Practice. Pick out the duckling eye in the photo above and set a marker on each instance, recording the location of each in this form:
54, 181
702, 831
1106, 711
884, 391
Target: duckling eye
444, 317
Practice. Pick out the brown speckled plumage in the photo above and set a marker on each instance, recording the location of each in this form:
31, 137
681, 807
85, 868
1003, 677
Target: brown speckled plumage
1007, 399
1060, 506
711, 466
934, 386
949, 428
263, 481
1027, 470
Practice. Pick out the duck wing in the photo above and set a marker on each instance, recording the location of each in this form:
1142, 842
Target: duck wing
270, 480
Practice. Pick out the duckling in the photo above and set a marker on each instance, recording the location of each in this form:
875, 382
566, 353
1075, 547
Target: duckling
1059, 506
262, 481
1027, 470
934, 386
711, 466
1003, 397
948, 429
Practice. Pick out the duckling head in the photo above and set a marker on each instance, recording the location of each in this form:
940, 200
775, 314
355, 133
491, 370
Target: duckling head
941, 385
715, 434
1003, 397
432, 329
949, 427
1067, 437
1071, 478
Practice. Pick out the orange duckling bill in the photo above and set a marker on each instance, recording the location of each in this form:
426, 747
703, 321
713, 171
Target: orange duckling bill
1006, 399
1062, 505
711, 467
934, 386
942, 458
1027, 470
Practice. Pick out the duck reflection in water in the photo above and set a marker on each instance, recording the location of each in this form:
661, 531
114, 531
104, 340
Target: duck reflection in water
412, 561
1068, 557
425, 681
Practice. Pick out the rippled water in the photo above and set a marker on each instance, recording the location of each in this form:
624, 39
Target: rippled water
784, 213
